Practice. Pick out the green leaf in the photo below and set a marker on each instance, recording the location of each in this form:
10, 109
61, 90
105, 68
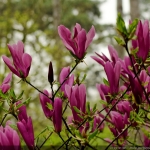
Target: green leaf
20, 96
49, 105
83, 78
103, 102
26, 102
134, 51
132, 28
78, 135
80, 116
105, 82
121, 25
2, 95
91, 136
13, 126
119, 41
76, 109
88, 107
50, 128
19, 105
94, 108
12, 94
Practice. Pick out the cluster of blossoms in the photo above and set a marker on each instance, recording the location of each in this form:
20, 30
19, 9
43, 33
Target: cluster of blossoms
124, 94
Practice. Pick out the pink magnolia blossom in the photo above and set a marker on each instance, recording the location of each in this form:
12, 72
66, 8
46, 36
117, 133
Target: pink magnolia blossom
44, 103
119, 122
80, 41
77, 98
113, 75
136, 89
143, 40
124, 107
21, 61
5, 86
25, 126
102, 59
9, 138
63, 77
57, 115
97, 121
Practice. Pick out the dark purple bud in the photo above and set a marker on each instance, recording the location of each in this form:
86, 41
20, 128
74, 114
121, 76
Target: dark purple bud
50, 73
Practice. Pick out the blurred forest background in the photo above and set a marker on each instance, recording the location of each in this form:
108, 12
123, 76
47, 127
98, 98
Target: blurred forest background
35, 23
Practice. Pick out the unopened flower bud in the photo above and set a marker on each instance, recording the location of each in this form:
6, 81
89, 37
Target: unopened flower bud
50, 73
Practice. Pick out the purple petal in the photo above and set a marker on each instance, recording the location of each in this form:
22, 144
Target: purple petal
98, 60
113, 53
26, 59
44, 101
81, 44
57, 117
10, 66
5, 88
65, 35
8, 78
90, 36
110, 75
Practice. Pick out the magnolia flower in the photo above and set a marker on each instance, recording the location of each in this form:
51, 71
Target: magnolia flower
63, 77
77, 98
44, 102
136, 89
9, 138
5, 84
97, 121
80, 41
118, 121
21, 61
25, 126
113, 75
143, 40
102, 59
57, 115
124, 107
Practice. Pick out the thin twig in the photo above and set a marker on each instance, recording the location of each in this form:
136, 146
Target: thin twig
3, 119
118, 136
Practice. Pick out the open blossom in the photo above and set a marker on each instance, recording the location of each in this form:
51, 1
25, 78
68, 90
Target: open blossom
63, 77
77, 98
96, 122
55, 112
113, 75
102, 59
25, 126
21, 61
79, 42
9, 138
5, 86
143, 40
119, 122
44, 102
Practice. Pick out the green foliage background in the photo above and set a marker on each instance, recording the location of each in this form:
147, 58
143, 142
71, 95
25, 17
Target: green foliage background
35, 23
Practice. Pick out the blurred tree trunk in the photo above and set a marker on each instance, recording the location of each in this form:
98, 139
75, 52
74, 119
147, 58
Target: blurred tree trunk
56, 13
120, 49
134, 9
119, 7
